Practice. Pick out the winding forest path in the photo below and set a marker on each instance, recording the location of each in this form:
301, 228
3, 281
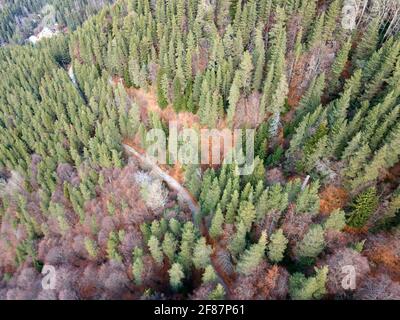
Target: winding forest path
187, 198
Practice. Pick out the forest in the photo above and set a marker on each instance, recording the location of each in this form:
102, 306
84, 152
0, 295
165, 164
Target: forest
323, 99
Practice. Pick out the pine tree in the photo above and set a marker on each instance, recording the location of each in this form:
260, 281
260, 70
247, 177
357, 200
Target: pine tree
339, 64
368, 43
232, 208
234, 95
372, 169
267, 92
308, 199
252, 257
246, 214
331, 17
175, 227
258, 59
277, 104
356, 162
138, 266
216, 224
238, 241
91, 247
213, 197
187, 244
245, 72
169, 246
176, 276
363, 207
193, 180
315, 35
201, 253
302, 288
335, 221
226, 196
112, 247
312, 244
209, 275
218, 293
354, 83
155, 250
277, 246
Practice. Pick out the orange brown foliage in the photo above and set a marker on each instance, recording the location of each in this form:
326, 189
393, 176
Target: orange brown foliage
383, 255
332, 198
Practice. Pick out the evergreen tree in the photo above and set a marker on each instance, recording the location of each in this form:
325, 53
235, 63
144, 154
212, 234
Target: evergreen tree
91, 247
187, 244
368, 43
252, 257
277, 246
302, 288
246, 214
216, 224
238, 241
201, 254
258, 59
169, 246
218, 293
336, 220
209, 275
176, 276
340, 63
312, 244
138, 266
363, 207
155, 250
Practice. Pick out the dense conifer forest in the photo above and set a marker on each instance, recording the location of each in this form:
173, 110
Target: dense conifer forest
323, 99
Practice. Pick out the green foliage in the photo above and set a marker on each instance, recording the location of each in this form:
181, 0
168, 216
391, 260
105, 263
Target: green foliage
216, 224
91, 247
277, 246
302, 288
246, 214
201, 253
252, 257
138, 266
169, 246
364, 205
209, 275
218, 293
312, 244
176, 276
112, 247
308, 199
155, 250
238, 241
336, 220
187, 245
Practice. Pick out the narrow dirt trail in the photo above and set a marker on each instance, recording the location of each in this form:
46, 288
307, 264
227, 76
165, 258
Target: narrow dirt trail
187, 198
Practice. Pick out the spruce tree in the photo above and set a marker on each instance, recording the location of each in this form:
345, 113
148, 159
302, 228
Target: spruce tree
169, 246
238, 240
216, 224
218, 293
312, 244
277, 246
363, 207
336, 220
209, 275
155, 250
201, 253
252, 257
176, 276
